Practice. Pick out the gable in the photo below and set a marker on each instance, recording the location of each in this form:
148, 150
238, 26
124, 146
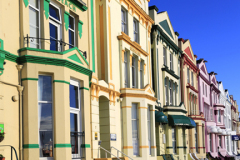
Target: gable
214, 80
166, 27
188, 52
203, 69
75, 55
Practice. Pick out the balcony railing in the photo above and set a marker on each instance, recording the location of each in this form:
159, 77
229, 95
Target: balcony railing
77, 140
34, 41
194, 112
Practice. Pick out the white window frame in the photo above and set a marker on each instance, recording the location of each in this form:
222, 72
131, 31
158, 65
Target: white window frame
78, 111
149, 128
166, 91
57, 23
165, 56
73, 30
48, 158
123, 10
136, 31
174, 140
137, 128
39, 27
126, 82
141, 74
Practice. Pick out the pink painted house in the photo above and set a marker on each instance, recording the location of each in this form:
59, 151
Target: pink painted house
213, 112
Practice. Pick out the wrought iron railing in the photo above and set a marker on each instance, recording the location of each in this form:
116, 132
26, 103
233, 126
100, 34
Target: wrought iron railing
12, 150
77, 142
59, 43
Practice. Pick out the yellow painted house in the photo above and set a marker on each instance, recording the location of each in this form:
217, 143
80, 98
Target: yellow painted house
46, 63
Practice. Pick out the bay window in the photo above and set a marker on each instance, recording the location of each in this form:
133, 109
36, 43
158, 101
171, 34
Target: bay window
134, 72
220, 141
126, 84
170, 92
141, 75
45, 116
174, 140
135, 136
34, 23
171, 61
166, 91
149, 128
188, 78
192, 79
196, 139
219, 116
210, 142
165, 56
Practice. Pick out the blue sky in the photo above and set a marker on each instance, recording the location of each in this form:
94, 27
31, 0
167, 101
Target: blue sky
213, 28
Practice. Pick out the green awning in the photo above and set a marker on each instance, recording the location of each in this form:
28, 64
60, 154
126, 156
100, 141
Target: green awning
181, 120
160, 117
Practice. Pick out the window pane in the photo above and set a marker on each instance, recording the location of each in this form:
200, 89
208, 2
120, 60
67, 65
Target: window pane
34, 3
54, 12
45, 88
73, 122
45, 130
53, 37
73, 96
71, 22
135, 129
71, 39
34, 26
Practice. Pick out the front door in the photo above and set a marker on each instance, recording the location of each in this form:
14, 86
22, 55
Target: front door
75, 119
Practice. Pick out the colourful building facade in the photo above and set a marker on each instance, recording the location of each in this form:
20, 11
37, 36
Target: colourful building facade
46, 69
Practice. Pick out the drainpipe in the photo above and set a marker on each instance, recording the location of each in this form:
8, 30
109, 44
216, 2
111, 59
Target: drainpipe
20, 89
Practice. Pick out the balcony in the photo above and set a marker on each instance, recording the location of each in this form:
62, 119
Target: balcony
77, 145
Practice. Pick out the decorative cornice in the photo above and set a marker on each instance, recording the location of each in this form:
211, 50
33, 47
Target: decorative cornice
192, 88
205, 79
213, 87
136, 46
136, 95
190, 63
136, 9
166, 39
170, 72
174, 110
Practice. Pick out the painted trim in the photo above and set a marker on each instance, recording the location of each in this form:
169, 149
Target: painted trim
102, 44
1, 44
170, 72
93, 43
66, 19
75, 58
30, 146
46, 8
2, 59
169, 147
80, 23
54, 52
29, 79
142, 107
138, 96
127, 147
61, 81
9, 56
143, 146
26, 2
110, 41
182, 147
79, 5
55, 62
62, 145
84, 88
126, 106
174, 110
85, 145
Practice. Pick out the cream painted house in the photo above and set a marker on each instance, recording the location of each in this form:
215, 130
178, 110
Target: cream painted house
122, 99
46, 63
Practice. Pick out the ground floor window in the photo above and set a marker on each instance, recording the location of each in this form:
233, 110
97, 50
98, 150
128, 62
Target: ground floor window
135, 141
210, 142
45, 116
174, 140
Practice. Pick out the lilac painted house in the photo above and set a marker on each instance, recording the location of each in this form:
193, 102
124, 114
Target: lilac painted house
213, 112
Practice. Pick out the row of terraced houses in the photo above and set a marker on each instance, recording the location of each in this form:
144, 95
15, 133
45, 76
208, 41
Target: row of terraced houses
107, 80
